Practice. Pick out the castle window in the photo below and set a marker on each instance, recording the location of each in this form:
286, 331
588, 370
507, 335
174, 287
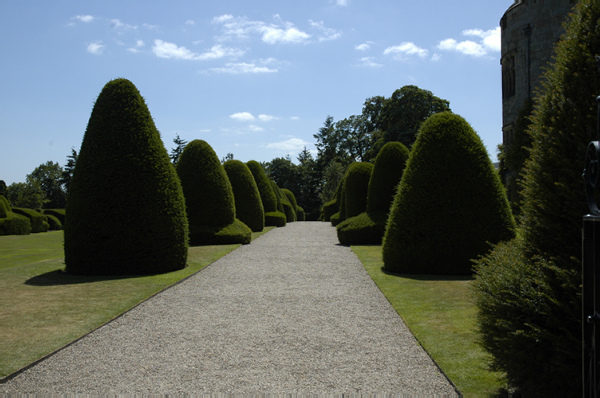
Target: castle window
508, 76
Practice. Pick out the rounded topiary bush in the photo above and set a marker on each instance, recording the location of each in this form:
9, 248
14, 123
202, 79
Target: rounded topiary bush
329, 209
300, 214
369, 227
248, 205
340, 198
39, 222
209, 197
4, 207
357, 187
126, 207
284, 204
15, 224
58, 213
273, 217
292, 199
448, 211
54, 222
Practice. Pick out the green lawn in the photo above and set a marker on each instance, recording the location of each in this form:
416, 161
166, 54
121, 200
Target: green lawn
43, 309
439, 312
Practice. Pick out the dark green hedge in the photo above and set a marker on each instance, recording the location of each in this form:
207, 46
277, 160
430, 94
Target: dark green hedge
54, 222
236, 232
276, 219
15, 224
208, 195
448, 211
4, 207
58, 213
356, 188
267, 196
39, 222
364, 229
288, 210
126, 207
369, 227
300, 214
248, 204
340, 197
329, 209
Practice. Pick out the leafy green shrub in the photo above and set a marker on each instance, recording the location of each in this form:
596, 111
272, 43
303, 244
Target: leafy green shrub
15, 224
290, 196
4, 207
209, 197
329, 209
283, 201
341, 200
447, 211
544, 325
58, 213
357, 188
300, 214
248, 205
126, 207
54, 222
39, 222
273, 217
2, 188
369, 227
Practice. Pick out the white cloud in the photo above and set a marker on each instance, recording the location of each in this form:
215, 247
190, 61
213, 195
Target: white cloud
328, 33
242, 28
255, 128
489, 41
242, 68
363, 47
406, 49
274, 35
341, 3
295, 118
293, 144
368, 61
190, 22
133, 50
266, 118
242, 116
96, 47
139, 43
163, 49
117, 24
150, 27
436, 57
84, 18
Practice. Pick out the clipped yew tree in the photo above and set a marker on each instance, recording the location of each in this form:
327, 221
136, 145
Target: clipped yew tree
369, 227
450, 205
528, 292
209, 198
340, 198
283, 203
273, 217
357, 187
126, 207
298, 211
248, 205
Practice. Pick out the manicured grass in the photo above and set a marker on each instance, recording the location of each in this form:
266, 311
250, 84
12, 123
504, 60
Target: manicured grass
26, 249
43, 308
441, 315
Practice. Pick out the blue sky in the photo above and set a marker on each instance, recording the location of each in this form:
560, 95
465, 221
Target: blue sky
254, 78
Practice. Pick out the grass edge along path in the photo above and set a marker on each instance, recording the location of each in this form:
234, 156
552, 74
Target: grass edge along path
440, 314
43, 310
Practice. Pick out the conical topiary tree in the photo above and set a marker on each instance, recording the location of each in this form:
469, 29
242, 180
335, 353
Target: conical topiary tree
273, 217
209, 198
450, 203
340, 199
248, 205
126, 207
369, 227
292, 198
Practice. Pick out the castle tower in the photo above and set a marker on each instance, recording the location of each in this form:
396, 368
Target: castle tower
530, 29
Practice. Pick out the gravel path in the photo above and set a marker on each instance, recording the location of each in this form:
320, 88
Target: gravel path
291, 313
